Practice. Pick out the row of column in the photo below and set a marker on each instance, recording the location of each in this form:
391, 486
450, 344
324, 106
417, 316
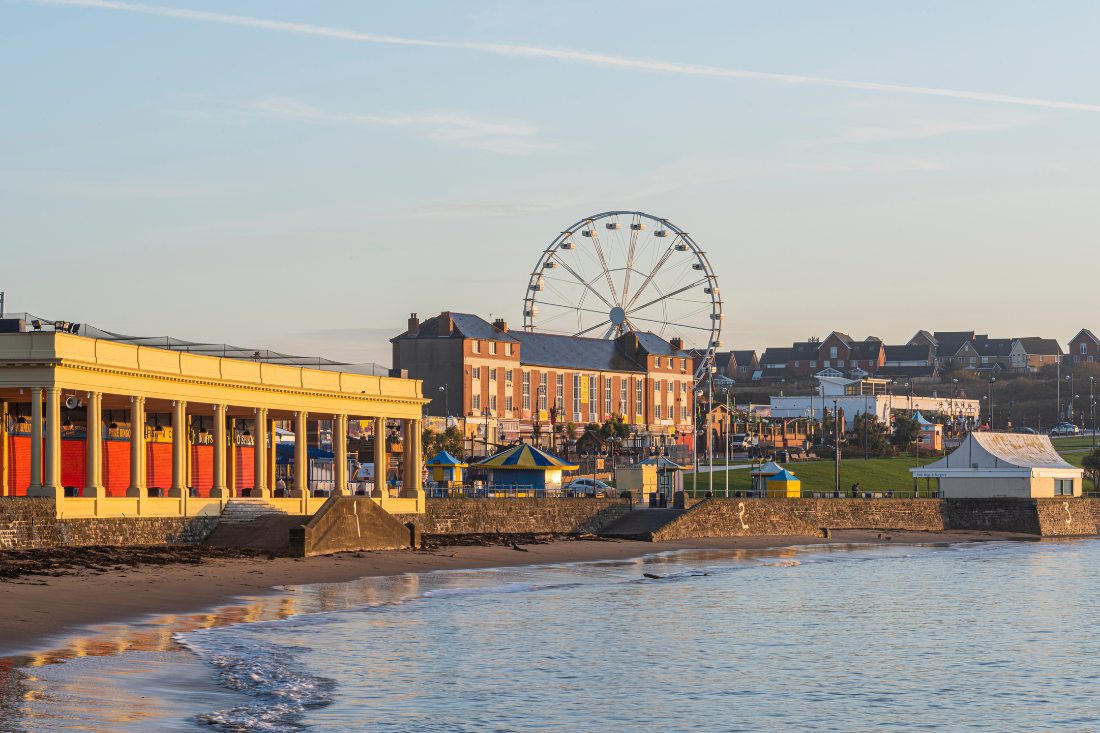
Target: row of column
46, 435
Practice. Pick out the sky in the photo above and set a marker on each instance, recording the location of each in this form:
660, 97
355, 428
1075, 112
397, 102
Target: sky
302, 176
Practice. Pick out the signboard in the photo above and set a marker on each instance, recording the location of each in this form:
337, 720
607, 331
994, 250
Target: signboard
542, 415
584, 390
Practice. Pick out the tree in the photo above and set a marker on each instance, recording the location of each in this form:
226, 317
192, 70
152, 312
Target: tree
868, 429
1091, 464
450, 440
906, 430
615, 427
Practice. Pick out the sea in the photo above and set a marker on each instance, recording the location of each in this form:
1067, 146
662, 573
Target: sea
990, 636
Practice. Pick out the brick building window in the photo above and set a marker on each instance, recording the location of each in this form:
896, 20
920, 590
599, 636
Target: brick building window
623, 406
507, 375
475, 402
607, 395
493, 375
526, 390
476, 372
492, 403
509, 404
542, 391
559, 392
493, 347
593, 396
576, 397
639, 398
475, 346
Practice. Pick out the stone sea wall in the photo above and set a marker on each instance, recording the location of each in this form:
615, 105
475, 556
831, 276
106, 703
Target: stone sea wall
515, 516
28, 523
758, 517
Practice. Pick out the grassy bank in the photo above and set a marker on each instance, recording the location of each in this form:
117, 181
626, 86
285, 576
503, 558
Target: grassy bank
875, 474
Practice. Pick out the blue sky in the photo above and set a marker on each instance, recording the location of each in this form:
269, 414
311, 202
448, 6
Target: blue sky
306, 185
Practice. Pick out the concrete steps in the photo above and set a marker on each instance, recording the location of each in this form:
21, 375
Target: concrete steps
243, 511
640, 524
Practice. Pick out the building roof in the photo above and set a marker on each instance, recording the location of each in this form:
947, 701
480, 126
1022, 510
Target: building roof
805, 350
842, 336
926, 336
776, 355
867, 349
908, 352
1087, 334
653, 344
1036, 345
574, 352
722, 360
443, 458
994, 347
525, 457
783, 476
949, 342
770, 468
744, 357
999, 451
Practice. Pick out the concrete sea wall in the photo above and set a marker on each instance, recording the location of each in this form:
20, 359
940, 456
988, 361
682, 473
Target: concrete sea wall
758, 517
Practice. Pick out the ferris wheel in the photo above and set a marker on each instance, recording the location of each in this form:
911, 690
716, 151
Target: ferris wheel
623, 271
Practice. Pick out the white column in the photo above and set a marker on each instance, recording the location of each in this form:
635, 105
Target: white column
179, 449
411, 485
137, 448
340, 454
51, 479
259, 455
380, 467
36, 442
218, 489
93, 453
301, 455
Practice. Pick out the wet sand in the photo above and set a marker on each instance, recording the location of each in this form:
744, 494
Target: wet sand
38, 611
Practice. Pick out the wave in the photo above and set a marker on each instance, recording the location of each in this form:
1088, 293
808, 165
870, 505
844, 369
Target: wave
270, 674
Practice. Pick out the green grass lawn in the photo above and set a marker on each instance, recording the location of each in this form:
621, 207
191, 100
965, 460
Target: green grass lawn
876, 474
1076, 441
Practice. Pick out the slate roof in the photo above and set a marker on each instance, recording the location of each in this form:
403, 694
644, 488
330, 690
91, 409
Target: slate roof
951, 341
1036, 345
908, 353
744, 358
807, 350
654, 345
1088, 334
466, 325
574, 352
864, 350
776, 355
993, 347
925, 334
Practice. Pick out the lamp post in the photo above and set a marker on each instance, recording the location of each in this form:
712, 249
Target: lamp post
991, 381
836, 447
446, 400
1092, 410
710, 429
727, 431
1069, 407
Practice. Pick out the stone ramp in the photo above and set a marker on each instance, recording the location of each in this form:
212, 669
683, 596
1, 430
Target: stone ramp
265, 533
641, 524
348, 524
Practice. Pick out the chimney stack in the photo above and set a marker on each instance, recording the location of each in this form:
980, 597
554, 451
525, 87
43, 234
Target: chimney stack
677, 343
446, 326
501, 325
414, 325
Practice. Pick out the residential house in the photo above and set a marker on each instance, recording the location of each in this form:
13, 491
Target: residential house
1031, 354
1084, 347
909, 361
992, 352
743, 364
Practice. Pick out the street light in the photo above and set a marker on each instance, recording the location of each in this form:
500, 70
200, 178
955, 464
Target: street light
1092, 410
1069, 407
991, 381
446, 400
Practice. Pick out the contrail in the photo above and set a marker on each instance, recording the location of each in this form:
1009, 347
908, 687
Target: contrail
581, 57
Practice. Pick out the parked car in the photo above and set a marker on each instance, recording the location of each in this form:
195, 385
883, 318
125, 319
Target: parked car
1026, 431
1066, 428
740, 441
588, 487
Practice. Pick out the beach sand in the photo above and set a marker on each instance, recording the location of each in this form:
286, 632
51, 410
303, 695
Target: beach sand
39, 611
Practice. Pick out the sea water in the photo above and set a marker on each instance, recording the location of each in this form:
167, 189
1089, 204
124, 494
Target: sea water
974, 637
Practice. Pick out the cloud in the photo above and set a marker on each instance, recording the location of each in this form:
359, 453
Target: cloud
574, 56
919, 130
456, 129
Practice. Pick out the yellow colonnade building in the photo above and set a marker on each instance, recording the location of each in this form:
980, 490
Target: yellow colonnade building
51, 381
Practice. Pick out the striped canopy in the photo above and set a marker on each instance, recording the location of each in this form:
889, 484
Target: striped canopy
443, 458
525, 457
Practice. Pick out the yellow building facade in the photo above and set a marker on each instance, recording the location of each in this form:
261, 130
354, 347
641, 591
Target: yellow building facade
50, 372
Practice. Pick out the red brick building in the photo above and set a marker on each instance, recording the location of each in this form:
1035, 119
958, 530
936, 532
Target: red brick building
513, 385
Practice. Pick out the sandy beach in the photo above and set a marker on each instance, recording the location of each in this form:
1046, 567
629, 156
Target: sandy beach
39, 610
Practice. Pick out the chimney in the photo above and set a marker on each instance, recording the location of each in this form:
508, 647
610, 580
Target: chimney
445, 325
677, 343
501, 325
414, 325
